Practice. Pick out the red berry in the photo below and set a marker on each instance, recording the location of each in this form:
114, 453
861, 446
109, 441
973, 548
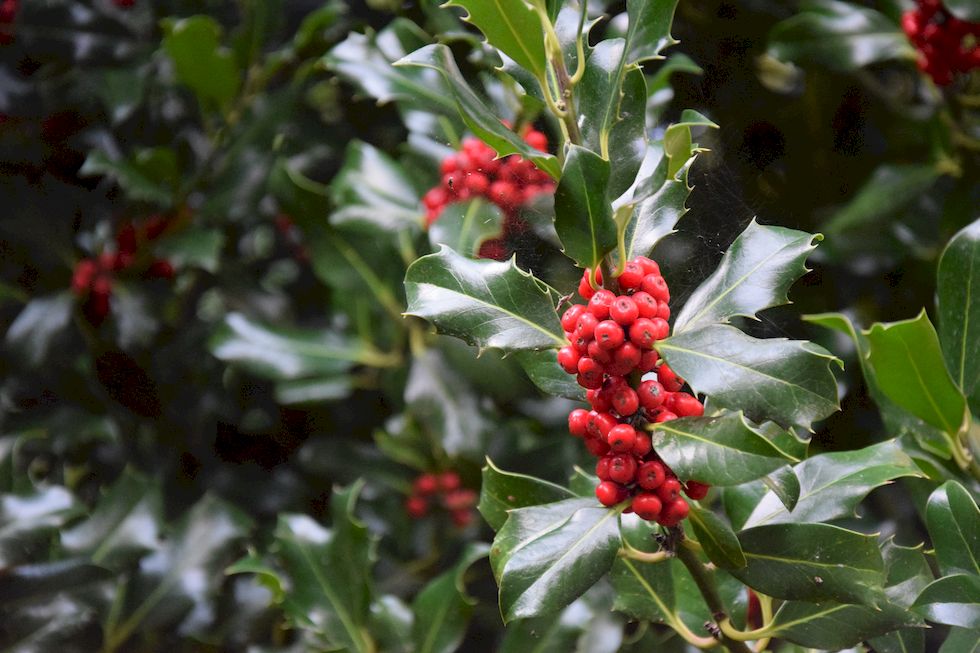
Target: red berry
568, 358
622, 469
656, 287
596, 446
624, 310
585, 327
673, 512
589, 373
596, 352
537, 140
648, 361
663, 311
651, 475
665, 416
599, 424
416, 507
569, 319
602, 468
696, 490
632, 276
578, 422
83, 276
626, 358
477, 182
669, 379
504, 193
609, 493
621, 438
160, 269
600, 303
461, 518
684, 405
647, 506
645, 304
643, 333
643, 445
669, 490
649, 265
599, 400
449, 481
651, 395
426, 484
660, 328
625, 401
608, 334
459, 499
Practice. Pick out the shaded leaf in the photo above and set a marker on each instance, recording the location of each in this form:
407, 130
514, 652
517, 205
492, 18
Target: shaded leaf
35, 582
465, 226
194, 46
38, 326
134, 181
834, 626
839, 35
501, 492
787, 381
963, 9
954, 526
649, 28
958, 287
754, 274
812, 562
889, 189
193, 247
28, 522
372, 189
443, 608
722, 450
717, 539
543, 370
832, 484
655, 214
583, 214
486, 303
909, 368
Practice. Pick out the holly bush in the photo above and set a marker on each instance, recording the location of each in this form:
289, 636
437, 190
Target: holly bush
398, 327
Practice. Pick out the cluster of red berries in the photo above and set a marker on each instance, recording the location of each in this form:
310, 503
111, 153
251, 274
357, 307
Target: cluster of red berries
93, 278
946, 44
445, 490
8, 12
510, 182
613, 353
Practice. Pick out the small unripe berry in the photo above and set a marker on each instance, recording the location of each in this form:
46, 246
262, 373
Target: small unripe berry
651, 475
621, 438
578, 422
647, 506
609, 493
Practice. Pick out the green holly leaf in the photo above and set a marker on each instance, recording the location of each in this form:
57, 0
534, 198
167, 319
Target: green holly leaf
446, 406
839, 35
754, 274
476, 112
897, 420
391, 624
371, 189
952, 600
29, 523
954, 525
330, 573
583, 213
192, 247
543, 370
501, 492
512, 27
546, 556
812, 562
722, 450
39, 326
959, 309
194, 46
832, 484
787, 381
124, 526
486, 303
909, 367
784, 485
717, 539
964, 10
627, 135
137, 183
443, 608
184, 574
655, 212
465, 226
61, 623
961, 639
678, 140
290, 356
648, 32
365, 60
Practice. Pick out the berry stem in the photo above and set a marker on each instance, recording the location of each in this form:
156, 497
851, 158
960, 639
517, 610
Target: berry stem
706, 585
642, 556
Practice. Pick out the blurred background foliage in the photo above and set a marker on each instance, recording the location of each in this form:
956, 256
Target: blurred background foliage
205, 421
